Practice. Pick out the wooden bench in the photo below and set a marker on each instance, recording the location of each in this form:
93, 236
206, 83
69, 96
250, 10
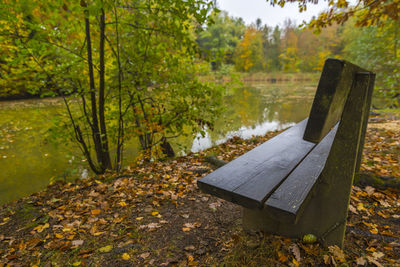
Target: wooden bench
299, 182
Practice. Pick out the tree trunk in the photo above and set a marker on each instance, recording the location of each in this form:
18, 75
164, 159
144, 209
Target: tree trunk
105, 154
167, 148
95, 123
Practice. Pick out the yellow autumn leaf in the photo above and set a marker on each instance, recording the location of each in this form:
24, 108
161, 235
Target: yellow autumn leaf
96, 212
41, 227
78, 263
106, 249
126, 256
59, 235
185, 229
139, 218
360, 206
374, 231
154, 213
122, 204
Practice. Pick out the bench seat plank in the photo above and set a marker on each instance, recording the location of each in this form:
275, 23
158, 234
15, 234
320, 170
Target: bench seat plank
290, 196
251, 178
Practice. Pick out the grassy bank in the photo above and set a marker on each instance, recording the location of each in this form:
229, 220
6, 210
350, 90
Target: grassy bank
279, 77
266, 77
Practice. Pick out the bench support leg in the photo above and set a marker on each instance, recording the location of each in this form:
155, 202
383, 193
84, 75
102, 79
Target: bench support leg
324, 217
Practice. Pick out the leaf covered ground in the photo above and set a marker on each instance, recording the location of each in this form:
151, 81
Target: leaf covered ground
154, 215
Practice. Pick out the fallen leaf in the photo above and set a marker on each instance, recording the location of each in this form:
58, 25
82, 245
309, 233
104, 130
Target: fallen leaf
145, 255
186, 229
59, 235
360, 206
374, 231
126, 256
369, 189
118, 220
282, 257
377, 255
337, 253
150, 226
106, 249
372, 260
190, 258
96, 212
190, 248
383, 215
361, 261
41, 227
77, 243
78, 263
295, 251
328, 260
353, 209
214, 205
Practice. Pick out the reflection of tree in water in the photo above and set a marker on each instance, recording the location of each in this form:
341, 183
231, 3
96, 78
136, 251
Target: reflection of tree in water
251, 106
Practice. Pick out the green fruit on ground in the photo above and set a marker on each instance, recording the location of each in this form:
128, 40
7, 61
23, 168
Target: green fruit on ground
309, 239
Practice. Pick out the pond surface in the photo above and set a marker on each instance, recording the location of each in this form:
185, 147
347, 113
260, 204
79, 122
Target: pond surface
29, 159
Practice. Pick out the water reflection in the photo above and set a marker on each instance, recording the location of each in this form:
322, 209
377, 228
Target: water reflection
257, 109
201, 143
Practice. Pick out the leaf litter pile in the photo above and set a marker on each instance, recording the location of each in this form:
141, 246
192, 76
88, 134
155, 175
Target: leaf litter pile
154, 215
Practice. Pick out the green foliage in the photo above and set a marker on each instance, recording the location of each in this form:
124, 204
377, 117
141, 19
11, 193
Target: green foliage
272, 47
378, 49
219, 40
129, 68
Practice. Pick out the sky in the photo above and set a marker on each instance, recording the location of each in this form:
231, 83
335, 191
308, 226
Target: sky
250, 10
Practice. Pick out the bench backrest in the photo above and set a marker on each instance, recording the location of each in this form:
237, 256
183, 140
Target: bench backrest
342, 83
337, 79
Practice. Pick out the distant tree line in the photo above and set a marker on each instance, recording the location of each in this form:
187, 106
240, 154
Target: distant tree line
290, 48
259, 47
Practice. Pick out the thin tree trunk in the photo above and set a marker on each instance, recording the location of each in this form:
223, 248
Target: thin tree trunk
95, 123
105, 154
120, 138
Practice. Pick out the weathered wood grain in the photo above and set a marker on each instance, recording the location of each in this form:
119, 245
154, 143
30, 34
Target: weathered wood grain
287, 199
331, 95
248, 179
273, 172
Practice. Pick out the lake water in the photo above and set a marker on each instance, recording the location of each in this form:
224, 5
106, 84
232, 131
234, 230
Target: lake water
29, 159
